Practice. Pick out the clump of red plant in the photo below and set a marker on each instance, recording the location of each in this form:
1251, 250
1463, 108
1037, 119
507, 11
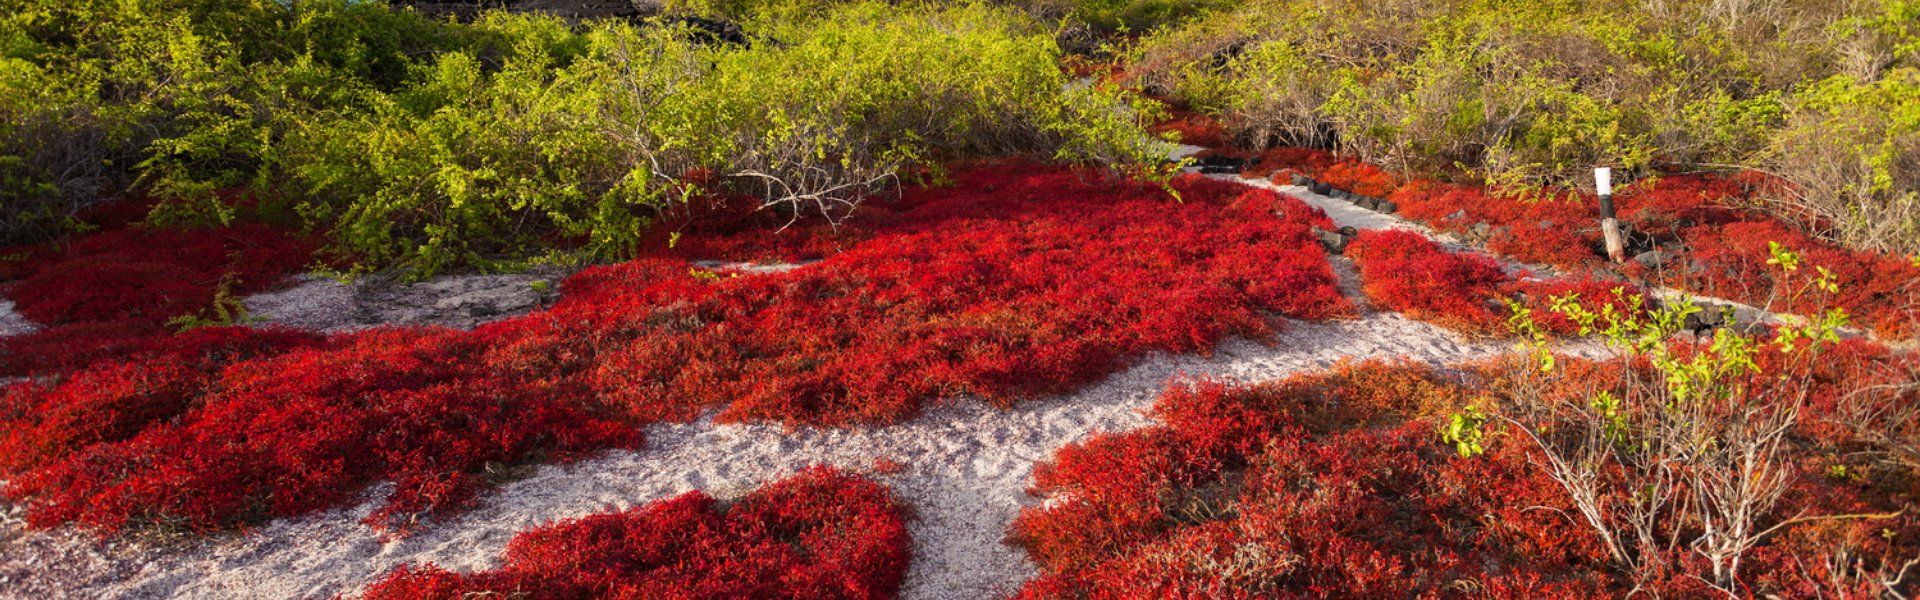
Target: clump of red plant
46, 421
1019, 281
152, 275
108, 295
287, 434
1409, 273
1338, 484
1194, 129
1317, 485
818, 534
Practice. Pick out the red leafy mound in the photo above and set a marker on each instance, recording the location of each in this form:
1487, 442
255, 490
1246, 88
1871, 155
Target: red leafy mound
108, 295
1336, 485
1726, 249
1409, 273
1019, 281
1194, 129
1271, 491
297, 432
818, 534
151, 275
43, 422
69, 348
1043, 284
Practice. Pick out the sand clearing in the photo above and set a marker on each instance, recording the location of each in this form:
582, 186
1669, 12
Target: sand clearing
11, 323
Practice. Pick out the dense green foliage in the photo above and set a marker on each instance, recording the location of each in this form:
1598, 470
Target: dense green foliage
1530, 94
1069, 16
425, 145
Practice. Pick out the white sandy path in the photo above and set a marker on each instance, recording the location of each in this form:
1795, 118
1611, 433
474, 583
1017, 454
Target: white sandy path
967, 467
11, 323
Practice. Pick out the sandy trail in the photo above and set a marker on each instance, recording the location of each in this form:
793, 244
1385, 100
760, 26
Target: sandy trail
11, 323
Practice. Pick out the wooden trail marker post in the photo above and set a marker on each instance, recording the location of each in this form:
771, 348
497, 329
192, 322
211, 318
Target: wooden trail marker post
1609, 225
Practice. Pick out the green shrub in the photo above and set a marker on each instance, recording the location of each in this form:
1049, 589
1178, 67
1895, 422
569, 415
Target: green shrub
1852, 151
1136, 15
176, 95
1526, 95
591, 136
426, 145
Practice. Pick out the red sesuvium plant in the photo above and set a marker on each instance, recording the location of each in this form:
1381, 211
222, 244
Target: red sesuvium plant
48, 420
109, 295
1194, 128
819, 534
303, 430
1018, 281
1727, 244
151, 275
1339, 484
1317, 485
1467, 292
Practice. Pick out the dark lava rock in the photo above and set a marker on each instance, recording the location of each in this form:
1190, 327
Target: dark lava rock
1220, 164
1333, 241
1654, 259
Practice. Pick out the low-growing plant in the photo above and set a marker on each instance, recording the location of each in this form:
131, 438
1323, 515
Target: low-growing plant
1697, 233
819, 533
1407, 272
1334, 484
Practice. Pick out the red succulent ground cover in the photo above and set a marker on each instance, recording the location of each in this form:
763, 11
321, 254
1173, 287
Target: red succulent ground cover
1409, 273
151, 275
1727, 245
818, 534
1335, 484
281, 435
1018, 281
108, 295
1193, 128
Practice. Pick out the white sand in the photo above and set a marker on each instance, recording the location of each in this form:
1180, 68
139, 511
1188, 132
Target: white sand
463, 301
967, 469
12, 323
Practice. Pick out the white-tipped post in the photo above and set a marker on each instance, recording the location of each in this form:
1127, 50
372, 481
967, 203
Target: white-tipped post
1609, 225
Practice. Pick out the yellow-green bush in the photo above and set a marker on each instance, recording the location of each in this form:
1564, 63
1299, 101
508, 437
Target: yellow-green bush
96, 95
593, 135
424, 144
1852, 151
1534, 94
